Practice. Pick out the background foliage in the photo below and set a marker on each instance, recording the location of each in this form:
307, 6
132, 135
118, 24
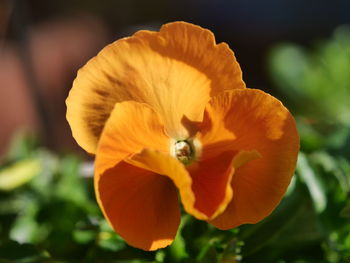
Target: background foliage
48, 212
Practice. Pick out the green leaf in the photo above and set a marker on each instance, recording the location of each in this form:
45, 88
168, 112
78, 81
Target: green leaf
310, 138
21, 253
25, 227
289, 63
71, 186
339, 167
19, 174
346, 211
22, 146
314, 185
84, 236
317, 82
108, 239
291, 227
208, 254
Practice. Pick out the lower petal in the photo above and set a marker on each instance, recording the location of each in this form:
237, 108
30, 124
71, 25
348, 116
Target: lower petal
212, 183
205, 187
140, 205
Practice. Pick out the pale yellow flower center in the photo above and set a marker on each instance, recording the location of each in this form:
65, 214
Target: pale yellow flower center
183, 151
186, 151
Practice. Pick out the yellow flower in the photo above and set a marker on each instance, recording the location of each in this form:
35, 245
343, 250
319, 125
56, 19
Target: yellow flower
167, 112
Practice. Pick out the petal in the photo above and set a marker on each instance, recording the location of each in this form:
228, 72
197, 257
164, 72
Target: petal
204, 188
213, 136
131, 127
141, 206
262, 126
165, 69
197, 47
212, 183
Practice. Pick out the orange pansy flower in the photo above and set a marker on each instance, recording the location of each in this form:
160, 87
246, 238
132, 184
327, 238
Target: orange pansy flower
168, 112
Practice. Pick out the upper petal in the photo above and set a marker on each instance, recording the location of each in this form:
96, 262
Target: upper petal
264, 132
175, 70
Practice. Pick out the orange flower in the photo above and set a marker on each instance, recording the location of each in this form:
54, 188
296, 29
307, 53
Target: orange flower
167, 112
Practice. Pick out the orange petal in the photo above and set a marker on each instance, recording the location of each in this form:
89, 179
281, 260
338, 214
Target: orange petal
212, 183
204, 189
141, 206
165, 69
261, 124
213, 135
131, 127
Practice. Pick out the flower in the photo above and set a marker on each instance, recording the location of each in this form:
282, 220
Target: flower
168, 112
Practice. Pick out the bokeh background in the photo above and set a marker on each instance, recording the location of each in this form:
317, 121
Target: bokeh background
299, 51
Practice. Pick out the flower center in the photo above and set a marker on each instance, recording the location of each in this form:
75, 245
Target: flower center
183, 151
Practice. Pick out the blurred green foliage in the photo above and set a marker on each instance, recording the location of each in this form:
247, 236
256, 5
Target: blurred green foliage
316, 81
48, 211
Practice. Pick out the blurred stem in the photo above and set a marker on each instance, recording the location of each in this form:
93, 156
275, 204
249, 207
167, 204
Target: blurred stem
6, 10
19, 26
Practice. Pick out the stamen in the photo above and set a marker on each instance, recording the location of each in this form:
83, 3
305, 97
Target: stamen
183, 151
